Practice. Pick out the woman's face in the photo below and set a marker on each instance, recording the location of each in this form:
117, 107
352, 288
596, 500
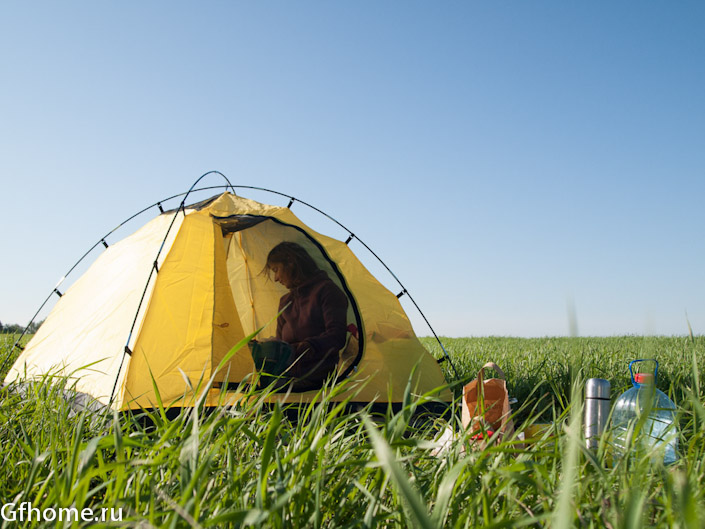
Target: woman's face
281, 274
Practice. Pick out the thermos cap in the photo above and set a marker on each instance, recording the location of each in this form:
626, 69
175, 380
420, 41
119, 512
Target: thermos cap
597, 388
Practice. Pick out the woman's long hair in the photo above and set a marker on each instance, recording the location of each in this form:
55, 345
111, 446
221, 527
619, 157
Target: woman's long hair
295, 258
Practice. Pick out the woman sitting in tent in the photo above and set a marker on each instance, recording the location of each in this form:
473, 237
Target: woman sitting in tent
313, 319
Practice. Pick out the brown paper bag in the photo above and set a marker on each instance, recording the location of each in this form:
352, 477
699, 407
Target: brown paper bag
485, 407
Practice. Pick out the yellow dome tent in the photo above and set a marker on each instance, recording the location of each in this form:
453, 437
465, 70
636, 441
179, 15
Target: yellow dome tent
168, 302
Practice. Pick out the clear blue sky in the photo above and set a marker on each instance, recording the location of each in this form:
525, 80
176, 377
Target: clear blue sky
508, 160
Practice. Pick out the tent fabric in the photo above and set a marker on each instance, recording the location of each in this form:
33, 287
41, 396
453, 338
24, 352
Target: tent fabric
211, 290
85, 334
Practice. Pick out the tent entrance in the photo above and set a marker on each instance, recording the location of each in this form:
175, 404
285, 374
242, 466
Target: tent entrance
247, 241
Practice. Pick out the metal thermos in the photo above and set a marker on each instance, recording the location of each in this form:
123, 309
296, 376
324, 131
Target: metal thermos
597, 409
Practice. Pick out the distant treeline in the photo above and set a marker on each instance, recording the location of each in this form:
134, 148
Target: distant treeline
14, 328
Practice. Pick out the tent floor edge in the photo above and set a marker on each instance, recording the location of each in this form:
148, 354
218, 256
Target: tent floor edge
379, 411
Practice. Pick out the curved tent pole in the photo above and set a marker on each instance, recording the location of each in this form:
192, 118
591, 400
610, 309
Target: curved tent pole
201, 178
155, 268
105, 244
158, 204
73, 267
351, 235
182, 207
102, 241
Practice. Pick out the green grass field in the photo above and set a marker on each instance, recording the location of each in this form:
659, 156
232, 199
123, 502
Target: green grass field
251, 465
544, 368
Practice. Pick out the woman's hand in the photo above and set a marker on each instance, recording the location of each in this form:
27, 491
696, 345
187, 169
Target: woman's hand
301, 348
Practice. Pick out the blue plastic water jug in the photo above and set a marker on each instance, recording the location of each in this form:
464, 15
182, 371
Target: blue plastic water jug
657, 433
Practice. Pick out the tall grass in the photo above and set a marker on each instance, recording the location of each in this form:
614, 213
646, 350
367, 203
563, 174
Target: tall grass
251, 464
542, 369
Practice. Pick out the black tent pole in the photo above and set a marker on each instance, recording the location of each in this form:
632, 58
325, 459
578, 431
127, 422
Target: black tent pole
182, 206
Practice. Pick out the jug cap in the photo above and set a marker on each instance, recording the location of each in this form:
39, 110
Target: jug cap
644, 378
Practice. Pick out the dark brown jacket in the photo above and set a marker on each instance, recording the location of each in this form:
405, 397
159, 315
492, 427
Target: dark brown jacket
315, 324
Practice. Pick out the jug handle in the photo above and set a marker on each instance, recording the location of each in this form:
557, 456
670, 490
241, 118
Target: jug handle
631, 371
